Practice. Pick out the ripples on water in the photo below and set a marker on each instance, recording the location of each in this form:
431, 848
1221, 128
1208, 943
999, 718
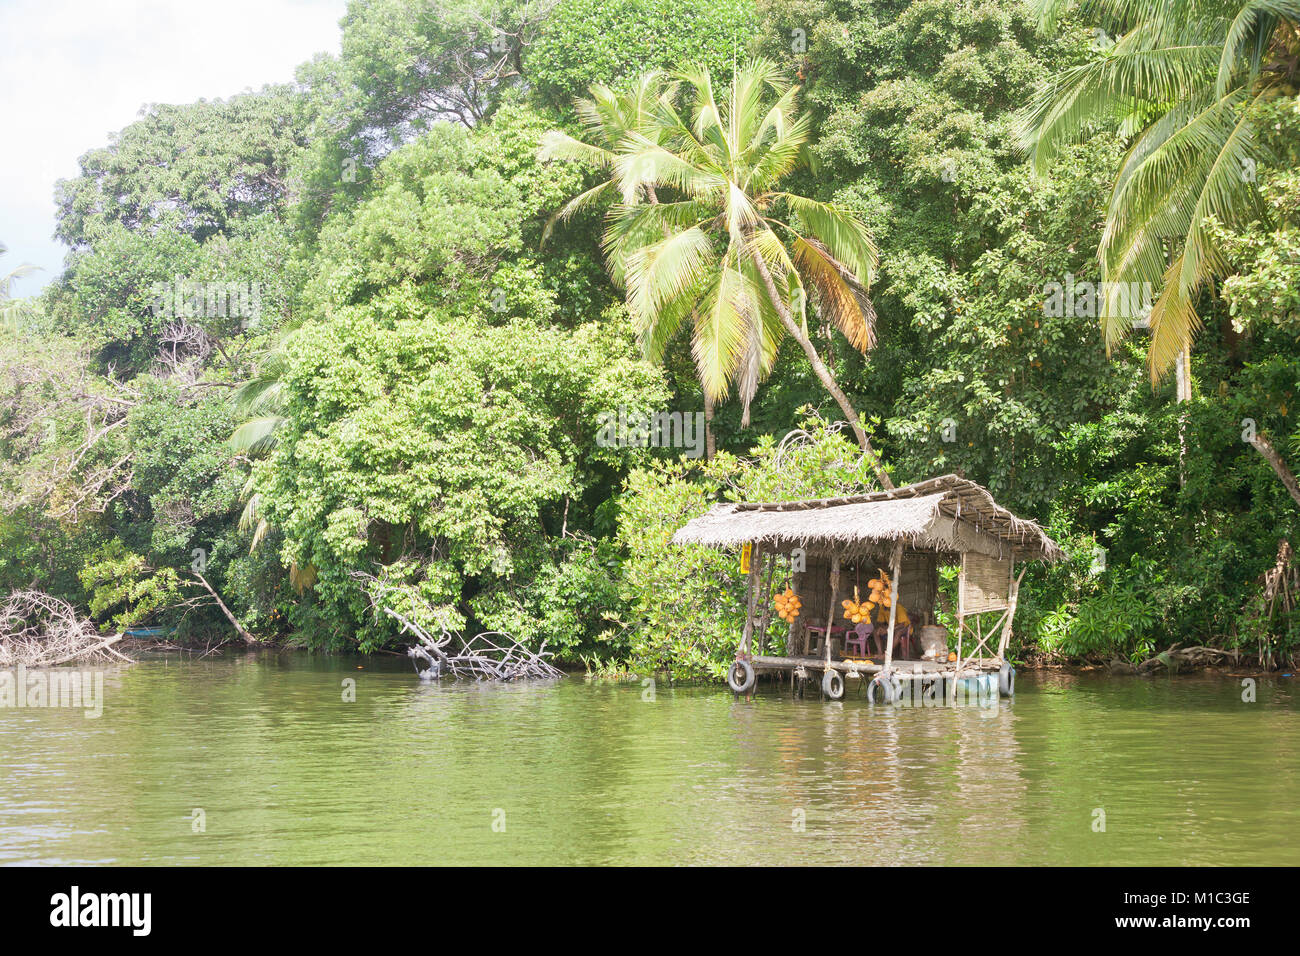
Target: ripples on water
286, 772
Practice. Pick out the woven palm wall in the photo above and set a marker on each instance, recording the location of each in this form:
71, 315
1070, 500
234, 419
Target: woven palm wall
986, 584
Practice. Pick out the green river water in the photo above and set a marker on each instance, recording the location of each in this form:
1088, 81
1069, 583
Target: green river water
285, 771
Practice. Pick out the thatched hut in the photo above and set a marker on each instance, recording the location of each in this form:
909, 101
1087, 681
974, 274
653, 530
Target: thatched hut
826, 548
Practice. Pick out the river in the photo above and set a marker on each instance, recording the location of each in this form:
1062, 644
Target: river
263, 759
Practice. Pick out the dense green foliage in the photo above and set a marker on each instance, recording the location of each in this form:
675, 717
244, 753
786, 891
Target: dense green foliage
603, 41
352, 267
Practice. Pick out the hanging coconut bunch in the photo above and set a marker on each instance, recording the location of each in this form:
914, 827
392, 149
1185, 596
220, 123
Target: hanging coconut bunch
880, 588
858, 610
788, 605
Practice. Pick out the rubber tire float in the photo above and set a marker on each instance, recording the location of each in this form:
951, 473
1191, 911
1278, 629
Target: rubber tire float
741, 677
1007, 681
833, 684
886, 686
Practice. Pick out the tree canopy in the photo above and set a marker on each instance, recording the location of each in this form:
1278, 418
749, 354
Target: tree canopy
360, 338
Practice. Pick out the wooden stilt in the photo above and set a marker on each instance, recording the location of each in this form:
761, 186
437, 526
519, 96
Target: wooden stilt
1011, 613
765, 595
830, 611
798, 639
895, 567
951, 686
746, 639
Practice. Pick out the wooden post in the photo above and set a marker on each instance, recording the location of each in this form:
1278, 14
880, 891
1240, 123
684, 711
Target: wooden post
747, 638
797, 643
1011, 614
961, 625
895, 567
830, 611
770, 561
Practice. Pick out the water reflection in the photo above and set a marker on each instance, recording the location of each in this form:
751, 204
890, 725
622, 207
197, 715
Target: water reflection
288, 771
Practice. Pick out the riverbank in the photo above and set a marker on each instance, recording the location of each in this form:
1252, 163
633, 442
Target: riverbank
1242, 665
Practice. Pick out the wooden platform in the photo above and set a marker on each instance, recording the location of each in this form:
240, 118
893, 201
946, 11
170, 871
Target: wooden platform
871, 666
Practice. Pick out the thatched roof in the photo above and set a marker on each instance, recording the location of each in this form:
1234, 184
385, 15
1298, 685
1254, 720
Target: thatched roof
942, 514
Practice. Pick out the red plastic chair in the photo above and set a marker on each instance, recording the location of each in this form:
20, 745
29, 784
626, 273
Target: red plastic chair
855, 641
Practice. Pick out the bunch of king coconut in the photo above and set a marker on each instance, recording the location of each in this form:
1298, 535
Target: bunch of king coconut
857, 610
788, 605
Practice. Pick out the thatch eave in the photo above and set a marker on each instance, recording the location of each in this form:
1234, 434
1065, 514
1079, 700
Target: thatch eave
948, 514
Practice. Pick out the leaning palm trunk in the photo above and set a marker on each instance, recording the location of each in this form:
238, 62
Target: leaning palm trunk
822, 372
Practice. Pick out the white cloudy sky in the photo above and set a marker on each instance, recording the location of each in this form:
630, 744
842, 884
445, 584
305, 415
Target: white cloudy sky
72, 71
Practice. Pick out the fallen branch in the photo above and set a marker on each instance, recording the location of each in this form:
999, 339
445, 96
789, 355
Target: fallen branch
1176, 656
491, 655
39, 630
103, 645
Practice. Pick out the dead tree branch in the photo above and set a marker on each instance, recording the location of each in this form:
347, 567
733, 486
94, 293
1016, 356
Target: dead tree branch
39, 630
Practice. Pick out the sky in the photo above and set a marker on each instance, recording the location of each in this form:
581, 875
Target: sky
73, 71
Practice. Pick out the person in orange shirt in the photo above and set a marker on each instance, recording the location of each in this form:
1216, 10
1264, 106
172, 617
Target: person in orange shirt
902, 630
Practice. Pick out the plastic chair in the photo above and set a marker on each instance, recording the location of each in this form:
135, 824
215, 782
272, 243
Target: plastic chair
902, 641
855, 641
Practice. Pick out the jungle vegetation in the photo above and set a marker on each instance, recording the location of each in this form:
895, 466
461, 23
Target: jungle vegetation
351, 338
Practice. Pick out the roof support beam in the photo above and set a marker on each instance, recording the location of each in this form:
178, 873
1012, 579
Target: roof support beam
895, 569
751, 600
830, 611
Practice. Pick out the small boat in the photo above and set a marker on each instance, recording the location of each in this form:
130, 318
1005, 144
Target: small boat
149, 633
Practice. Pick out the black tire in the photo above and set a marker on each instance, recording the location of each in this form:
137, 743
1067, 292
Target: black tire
741, 677
888, 692
1007, 681
833, 684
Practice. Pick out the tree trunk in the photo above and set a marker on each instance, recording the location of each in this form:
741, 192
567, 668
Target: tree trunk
248, 638
1183, 376
710, 447
823, 373
1265, 448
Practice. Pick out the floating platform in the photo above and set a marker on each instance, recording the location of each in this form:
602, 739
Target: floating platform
982, 679
874, 665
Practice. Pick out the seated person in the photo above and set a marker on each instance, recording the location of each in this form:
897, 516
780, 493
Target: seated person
902, 630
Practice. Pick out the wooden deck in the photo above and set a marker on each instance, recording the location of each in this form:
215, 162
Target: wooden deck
871, 666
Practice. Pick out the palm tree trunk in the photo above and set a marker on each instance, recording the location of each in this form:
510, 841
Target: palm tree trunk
710, 446
1184, 392
823, 373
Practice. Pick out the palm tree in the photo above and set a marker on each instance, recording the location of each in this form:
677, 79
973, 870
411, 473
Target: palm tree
261, 401
715, 250
13, 310
608, 118
1181, 84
